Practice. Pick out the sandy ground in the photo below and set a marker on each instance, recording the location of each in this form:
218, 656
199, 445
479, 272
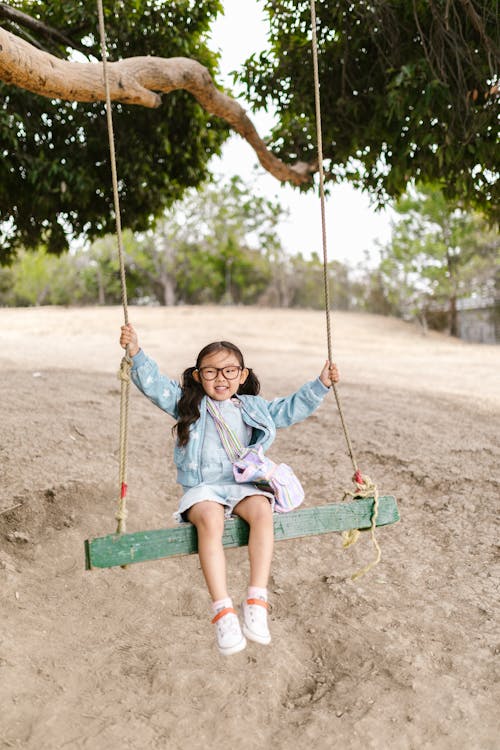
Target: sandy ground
402, 659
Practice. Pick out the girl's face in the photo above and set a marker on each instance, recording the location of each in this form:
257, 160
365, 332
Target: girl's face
220, 374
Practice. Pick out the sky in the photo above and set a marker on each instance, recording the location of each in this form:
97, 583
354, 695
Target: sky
352, 226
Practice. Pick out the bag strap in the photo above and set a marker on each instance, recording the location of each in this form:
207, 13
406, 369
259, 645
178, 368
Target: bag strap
228, 437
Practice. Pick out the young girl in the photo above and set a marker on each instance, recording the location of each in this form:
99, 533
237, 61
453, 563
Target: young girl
205, 472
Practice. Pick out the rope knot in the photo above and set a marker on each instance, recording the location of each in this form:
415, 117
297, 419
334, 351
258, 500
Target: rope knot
364, 488
124, 371
364, 485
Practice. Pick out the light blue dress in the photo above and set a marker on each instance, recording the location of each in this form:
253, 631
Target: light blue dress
218, 484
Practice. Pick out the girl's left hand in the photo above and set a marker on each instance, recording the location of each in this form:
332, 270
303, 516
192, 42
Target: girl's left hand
329, 374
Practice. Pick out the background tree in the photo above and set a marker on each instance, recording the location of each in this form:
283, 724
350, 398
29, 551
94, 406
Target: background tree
39, 278
370, 290
213, 248
308, 284
225, 232
100, 270
438, 253
409, 90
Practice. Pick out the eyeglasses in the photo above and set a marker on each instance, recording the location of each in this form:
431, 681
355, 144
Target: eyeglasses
210, 373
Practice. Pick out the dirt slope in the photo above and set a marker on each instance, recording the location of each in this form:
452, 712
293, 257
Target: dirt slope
402, 659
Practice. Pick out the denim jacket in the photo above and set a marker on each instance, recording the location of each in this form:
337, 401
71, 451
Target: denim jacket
265, 417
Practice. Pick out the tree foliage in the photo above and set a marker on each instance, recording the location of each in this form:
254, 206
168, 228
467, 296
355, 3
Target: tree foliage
54, 166
438, 254
214, 247
409, 89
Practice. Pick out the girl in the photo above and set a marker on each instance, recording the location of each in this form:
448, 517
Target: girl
205, 471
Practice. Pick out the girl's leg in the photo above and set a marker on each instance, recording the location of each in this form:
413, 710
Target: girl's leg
208, 517
256, 511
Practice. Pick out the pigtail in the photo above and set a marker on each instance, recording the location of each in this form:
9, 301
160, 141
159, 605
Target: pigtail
251, 386
188, 405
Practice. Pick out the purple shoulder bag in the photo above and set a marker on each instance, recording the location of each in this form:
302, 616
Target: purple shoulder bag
251, 465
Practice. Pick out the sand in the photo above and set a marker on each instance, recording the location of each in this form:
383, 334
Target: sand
401, 659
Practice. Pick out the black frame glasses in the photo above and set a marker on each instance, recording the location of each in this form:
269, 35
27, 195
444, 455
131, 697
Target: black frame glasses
226, 371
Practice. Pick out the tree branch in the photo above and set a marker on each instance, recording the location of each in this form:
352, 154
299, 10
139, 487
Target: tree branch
135, 80
26, 35
478, 24
25, 21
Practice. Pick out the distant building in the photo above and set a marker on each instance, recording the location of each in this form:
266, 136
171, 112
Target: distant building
479, 320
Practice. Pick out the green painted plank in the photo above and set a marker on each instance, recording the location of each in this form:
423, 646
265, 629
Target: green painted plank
124, 549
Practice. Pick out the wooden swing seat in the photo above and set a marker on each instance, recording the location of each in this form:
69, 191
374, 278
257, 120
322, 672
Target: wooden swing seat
140, 546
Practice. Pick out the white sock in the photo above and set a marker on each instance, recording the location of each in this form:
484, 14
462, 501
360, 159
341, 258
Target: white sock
255, 592
221, 604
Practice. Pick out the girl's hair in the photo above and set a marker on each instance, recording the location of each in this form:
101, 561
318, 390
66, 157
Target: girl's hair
192, 391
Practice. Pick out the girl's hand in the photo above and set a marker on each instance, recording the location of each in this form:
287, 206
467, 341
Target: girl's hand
128, 337
329, 374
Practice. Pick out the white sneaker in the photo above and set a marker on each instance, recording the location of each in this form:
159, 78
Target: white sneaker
255, 621
230, 639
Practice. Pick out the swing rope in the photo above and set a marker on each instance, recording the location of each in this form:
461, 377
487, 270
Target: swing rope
364, 486
126, 363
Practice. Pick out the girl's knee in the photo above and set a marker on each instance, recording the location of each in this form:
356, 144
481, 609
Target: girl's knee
264, 513
257, 510
207, 516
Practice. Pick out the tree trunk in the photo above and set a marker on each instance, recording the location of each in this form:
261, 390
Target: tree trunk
101, 296
135, 80
164, 265
168, 287
452, 275
453, 316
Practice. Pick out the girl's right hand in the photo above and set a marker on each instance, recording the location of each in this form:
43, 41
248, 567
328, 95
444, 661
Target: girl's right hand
329, 374
128, 337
